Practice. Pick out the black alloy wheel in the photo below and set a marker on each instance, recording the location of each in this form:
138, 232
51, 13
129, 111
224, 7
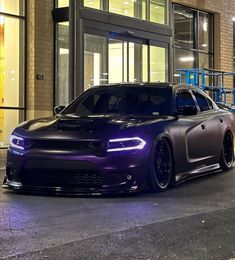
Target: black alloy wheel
162, 168
227, 153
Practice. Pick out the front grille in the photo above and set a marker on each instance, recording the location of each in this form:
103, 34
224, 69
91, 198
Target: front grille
62, 178
79, 146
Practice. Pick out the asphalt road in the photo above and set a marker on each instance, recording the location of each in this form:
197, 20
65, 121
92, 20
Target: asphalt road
195, 220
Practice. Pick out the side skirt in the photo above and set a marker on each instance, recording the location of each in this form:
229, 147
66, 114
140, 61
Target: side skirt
204, 170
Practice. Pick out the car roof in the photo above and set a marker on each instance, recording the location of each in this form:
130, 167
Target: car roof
173, 86
142, 84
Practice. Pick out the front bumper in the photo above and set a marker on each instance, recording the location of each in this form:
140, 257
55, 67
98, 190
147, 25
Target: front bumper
43, 171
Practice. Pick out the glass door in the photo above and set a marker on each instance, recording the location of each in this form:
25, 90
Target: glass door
95, 60
127, 60
116, 58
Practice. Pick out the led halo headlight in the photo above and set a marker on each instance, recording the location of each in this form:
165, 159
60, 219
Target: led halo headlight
125, 144
19, 142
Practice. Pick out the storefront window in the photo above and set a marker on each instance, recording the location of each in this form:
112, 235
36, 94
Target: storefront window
158, 11
15, 7
12, 64
184, 34
93, 4
155, 11
193, 39
184, 59
9, 119
62, 3
62, 63
233, 49
203, 32
128, 8
204, 60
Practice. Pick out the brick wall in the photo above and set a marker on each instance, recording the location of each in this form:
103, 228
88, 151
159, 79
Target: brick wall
39, 58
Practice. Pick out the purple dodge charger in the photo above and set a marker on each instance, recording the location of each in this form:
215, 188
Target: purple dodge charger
121, 138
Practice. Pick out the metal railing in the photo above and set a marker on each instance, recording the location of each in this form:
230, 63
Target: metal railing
212, 81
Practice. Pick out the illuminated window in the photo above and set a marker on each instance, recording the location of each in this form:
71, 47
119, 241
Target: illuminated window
132, 8
158, 11
193, 39
12, 64
93, 4
155, 11
62, 63
15, 7
62, 3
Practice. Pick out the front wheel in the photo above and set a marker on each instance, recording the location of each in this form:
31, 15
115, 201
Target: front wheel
227, 152
161, 172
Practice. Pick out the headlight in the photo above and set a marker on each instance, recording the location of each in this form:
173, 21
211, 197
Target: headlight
126, 144
19, 142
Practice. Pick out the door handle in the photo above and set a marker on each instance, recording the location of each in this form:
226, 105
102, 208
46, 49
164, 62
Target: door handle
203, 126
221, 120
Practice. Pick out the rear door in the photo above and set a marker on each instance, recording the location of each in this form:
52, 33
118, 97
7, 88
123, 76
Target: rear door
213, 124
194, 143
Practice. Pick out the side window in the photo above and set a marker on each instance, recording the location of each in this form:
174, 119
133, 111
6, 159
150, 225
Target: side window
183, 99
202, 101
210, 104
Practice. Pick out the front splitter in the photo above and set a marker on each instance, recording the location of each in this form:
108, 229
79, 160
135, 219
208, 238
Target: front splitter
44, 190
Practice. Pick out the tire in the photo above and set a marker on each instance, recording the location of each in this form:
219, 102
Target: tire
161, 172
227, 152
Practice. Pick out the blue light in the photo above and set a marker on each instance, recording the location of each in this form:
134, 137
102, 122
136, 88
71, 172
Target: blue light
126, 144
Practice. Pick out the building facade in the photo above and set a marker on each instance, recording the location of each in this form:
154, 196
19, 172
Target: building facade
51, 51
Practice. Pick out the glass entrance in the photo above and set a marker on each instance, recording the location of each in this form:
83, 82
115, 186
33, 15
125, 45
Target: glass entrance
127, 61
117, 58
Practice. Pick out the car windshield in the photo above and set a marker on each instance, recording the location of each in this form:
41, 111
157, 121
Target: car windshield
147, 101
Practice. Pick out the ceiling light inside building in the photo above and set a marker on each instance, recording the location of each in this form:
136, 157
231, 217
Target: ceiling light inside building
233, 19
186, 59
205, 26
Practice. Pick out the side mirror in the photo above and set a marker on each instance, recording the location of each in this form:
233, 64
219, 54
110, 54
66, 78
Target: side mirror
187, 110
58, 109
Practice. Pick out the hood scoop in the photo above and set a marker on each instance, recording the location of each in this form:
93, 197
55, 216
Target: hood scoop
69, 124
87, 124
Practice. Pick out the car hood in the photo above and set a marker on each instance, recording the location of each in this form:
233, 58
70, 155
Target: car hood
92, 126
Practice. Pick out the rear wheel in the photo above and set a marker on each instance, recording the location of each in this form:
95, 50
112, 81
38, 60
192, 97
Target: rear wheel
227, 153
162, 166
